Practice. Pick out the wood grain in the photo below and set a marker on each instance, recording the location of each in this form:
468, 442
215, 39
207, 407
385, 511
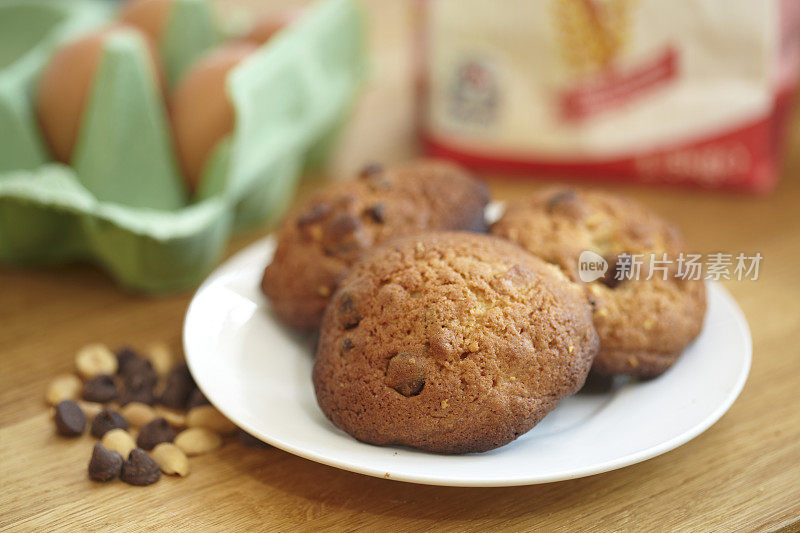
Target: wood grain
741, 474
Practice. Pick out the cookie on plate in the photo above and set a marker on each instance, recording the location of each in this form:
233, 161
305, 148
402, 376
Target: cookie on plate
321, 239
451, 342
644, 325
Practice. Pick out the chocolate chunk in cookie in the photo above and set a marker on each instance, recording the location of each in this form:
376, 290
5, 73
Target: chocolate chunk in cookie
405, 373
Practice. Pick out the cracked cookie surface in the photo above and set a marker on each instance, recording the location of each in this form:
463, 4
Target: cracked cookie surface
321, 239
644, 325
451, 342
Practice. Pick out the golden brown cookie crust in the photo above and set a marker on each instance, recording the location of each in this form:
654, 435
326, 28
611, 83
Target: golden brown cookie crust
643, 325
452, 343
321, 238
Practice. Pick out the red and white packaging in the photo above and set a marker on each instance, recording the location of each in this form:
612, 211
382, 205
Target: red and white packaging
679, 92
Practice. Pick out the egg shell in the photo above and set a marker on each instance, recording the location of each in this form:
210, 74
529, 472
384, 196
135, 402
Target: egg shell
266, 26
201, 112
149, 16
65, 85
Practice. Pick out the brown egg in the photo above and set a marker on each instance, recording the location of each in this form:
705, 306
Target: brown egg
65, 85
150, 16
267, 26
201, 113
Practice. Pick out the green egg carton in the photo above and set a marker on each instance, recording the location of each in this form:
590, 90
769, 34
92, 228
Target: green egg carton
121, 203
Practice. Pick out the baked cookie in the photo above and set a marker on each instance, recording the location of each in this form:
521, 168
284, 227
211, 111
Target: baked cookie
644, 325
322, 238
452, 343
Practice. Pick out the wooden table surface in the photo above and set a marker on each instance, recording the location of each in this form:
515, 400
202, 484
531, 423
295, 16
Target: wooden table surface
743, 473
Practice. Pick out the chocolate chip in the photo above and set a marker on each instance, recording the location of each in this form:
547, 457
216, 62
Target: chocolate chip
377, 213
125, 356
140, 469
179, 385
340, 227
69, 418
140, 370
106, 420
250, 441
105, 464
375, 176
138, 388
315, 214
155, 432
100, 389
560, 197
406, 374
196, 399
346, 311
341, 234
613, 276
566, 203
347, 345
371, 169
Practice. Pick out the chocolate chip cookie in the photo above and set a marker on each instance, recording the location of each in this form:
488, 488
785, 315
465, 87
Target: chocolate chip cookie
451, 342
322, 238
644, 325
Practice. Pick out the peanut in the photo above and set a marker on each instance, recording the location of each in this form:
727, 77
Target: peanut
207, 416
95, 359
171, 459
91, 409
63, 387
120, 441
138, 414
197, 441
161, 358
174, 418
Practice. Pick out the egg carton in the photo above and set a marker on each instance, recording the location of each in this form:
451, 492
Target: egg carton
121, 203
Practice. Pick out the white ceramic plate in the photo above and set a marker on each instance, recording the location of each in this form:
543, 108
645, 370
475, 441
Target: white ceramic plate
258, 374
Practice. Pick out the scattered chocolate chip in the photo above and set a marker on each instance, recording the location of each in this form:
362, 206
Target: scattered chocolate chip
196, 399
155, 432
106, 420
179, 385
100, 389
348, 315
613, 277
406, 374
315, 214
105, 464
140, 469
371, 169
140, 370
138, 388
69, 418
250, 441
377, 213
347, 345
125, 356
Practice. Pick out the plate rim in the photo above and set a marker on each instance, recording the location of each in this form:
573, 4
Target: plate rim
607, 466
